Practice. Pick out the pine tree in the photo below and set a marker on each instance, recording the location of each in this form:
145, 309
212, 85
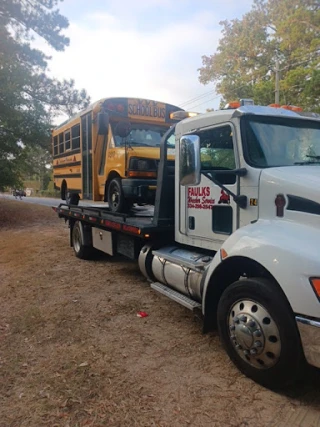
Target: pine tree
29, 98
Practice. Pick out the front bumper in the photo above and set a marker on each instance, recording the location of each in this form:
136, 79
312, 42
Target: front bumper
310, 339
142, 190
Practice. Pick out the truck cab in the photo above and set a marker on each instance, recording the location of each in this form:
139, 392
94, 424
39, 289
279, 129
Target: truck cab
247, 196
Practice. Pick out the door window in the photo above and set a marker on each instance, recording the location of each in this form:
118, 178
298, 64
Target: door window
217, 153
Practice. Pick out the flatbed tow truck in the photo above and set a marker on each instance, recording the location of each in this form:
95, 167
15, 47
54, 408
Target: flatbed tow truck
234, 232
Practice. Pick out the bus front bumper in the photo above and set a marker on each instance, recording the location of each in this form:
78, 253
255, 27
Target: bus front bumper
310, 339
142, 190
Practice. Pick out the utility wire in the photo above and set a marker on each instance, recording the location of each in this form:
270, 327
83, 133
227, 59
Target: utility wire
218, 96
192, 100
301, 62
204, 102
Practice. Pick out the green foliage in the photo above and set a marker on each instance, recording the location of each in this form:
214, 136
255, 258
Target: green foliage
29, 99
245, 61
35, 164
48, 193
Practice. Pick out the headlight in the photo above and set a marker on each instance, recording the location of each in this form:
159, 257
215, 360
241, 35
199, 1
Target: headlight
142, 164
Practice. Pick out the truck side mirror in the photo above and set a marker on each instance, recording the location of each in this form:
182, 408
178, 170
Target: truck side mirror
103, 123
189, 160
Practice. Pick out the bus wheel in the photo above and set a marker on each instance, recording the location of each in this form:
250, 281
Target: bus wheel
258, 330
63, 191
116, 200
81, 250
72, 198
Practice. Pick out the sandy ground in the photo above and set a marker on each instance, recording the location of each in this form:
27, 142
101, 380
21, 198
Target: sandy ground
74, 353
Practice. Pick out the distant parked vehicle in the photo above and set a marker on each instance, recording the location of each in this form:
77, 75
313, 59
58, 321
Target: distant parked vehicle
19, 193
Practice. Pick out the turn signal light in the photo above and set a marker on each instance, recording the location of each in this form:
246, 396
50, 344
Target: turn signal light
115, 107
286, 107
223, 253
236, 104
291, 107
232, 105
142, 174
180, 115
315, 282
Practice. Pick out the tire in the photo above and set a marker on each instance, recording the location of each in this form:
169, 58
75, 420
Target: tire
81, 250
116, 199
72, 198
258, 330
63, 191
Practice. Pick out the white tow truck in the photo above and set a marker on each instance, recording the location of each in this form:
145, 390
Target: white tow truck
235, 232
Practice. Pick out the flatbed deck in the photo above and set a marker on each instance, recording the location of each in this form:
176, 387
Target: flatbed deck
139, 222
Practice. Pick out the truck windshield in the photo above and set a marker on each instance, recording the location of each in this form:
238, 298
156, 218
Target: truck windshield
277, 141
141, 135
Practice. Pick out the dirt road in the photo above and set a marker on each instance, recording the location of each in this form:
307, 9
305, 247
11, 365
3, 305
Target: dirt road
74, 353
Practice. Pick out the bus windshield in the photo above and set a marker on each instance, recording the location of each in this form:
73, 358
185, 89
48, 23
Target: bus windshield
141, 135
277, 141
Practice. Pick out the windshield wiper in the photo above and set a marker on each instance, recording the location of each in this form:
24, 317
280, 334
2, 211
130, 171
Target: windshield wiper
307, 162
314, 157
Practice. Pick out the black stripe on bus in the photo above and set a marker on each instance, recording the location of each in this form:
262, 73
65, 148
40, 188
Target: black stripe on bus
68, 175
67, 153
66, 165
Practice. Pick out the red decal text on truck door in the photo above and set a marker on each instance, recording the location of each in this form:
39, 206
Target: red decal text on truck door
200, 198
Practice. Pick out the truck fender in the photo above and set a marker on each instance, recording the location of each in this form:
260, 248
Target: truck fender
284, 252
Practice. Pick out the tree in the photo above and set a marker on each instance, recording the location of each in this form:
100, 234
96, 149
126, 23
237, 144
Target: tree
287, 32
36, 165
29, 99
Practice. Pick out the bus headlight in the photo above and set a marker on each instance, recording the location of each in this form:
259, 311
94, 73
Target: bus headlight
142, 168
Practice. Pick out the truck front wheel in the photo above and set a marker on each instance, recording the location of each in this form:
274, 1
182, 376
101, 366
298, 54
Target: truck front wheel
258, 330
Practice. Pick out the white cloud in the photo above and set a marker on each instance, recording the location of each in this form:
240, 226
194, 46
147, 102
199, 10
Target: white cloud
108, 59
110, 55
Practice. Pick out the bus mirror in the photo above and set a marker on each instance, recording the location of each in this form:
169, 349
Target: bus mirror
103, 123
189, 160
123, 129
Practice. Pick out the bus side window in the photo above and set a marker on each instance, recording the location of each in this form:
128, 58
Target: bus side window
67, 140
75, 136
61, 143
55, 145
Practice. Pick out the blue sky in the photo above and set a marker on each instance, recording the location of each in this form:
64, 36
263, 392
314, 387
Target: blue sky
143, 48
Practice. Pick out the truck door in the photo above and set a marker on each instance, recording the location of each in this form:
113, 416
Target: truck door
207, 211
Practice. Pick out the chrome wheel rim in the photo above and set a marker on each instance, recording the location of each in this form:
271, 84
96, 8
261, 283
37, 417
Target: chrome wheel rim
77, 240
254, 334
115, 196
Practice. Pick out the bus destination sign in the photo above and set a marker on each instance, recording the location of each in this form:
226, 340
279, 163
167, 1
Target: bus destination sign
146, 110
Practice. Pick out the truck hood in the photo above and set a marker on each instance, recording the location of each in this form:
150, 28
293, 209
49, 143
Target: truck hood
300, 186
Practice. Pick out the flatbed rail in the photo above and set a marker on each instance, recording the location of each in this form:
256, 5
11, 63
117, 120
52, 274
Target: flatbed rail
137, 225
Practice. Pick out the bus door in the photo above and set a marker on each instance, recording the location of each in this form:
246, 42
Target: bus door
86, 138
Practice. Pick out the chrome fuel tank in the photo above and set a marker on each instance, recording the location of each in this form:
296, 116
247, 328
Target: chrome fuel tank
177, 268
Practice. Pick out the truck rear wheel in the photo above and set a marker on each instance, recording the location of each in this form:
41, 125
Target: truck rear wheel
258, 330
82, 249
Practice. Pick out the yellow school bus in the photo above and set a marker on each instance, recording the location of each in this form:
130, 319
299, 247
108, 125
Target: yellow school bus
110, 152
